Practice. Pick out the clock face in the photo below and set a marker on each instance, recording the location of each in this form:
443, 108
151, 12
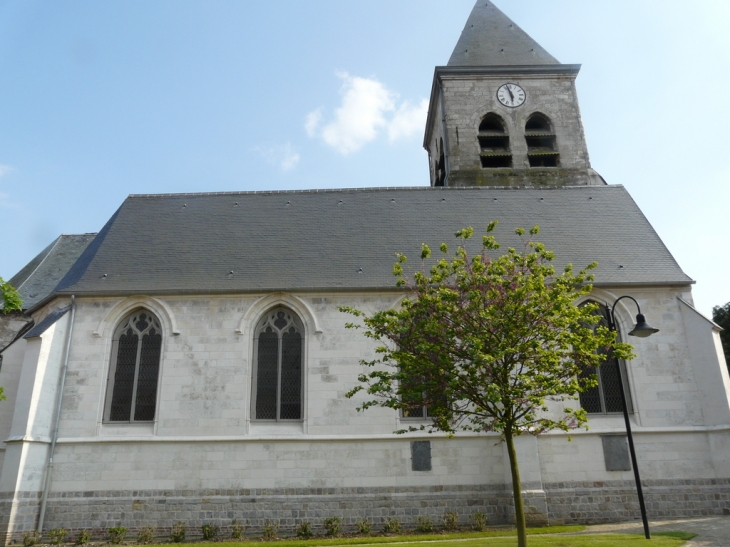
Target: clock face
511, 95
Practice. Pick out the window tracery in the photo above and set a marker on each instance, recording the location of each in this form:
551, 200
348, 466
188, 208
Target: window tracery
279, 344
605, 398
134, 372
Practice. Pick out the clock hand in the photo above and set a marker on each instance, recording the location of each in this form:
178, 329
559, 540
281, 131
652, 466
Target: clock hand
511, 96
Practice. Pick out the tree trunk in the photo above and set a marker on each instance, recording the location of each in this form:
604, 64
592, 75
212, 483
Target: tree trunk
516, 489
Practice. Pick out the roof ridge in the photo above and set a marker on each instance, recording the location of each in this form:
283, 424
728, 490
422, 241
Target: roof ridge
50, 251
372, 189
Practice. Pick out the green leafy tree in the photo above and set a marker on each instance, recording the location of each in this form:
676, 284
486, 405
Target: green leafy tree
488, 344
721, 316
11, 297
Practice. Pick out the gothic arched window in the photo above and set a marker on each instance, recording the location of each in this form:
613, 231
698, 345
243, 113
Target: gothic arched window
541, 148
494, 150
278, 365
605, 398
135, 365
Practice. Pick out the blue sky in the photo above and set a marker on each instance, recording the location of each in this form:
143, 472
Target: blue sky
99, 100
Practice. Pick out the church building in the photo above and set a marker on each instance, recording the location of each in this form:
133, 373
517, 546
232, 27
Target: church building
190, 363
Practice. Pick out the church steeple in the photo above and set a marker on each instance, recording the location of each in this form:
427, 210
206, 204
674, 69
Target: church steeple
490, 38
504, 112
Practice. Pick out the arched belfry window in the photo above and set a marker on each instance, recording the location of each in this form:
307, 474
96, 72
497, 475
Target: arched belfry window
540, 136
277, 374
494, 150
605, 398
135, 366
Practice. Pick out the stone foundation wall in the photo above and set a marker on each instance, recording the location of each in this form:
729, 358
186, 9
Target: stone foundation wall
575, 502
97, 511
611, 501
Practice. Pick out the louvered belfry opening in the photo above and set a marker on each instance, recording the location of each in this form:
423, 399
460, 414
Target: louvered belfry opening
605, 398
278, 366
135, 366
494, 149
542, 150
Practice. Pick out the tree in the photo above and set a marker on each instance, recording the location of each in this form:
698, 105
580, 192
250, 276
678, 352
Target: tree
11, 298
488, 344
721, 316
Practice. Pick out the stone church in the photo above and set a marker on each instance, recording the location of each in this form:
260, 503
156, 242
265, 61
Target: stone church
189, 361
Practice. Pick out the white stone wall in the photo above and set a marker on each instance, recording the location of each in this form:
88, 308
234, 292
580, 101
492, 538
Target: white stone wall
204, 436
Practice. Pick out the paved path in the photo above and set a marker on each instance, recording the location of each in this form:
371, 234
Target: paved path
711, 531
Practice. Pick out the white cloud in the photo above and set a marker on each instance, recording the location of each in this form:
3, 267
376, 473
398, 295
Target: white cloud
408, 120
284, 157
368, 109
311, 124
5, 169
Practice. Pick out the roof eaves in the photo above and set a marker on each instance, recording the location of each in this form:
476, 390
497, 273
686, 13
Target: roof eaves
507, 69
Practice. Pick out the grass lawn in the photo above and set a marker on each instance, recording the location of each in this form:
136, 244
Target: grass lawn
492, 538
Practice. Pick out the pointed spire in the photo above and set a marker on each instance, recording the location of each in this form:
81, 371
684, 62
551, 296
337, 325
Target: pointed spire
490, 38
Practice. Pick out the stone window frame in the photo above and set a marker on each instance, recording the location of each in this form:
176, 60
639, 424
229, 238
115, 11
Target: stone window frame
263, 321
155, 326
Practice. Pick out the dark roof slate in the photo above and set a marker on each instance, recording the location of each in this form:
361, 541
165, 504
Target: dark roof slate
347, 239
490, 38
40, 276
49, 320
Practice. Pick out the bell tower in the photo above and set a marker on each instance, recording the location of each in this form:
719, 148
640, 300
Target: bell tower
504, 112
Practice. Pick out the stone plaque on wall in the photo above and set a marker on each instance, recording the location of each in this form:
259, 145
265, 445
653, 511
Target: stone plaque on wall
616, 453
421, 455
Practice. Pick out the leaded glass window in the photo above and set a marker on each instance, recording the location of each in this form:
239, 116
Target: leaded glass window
277, 374
605, 398
135, 365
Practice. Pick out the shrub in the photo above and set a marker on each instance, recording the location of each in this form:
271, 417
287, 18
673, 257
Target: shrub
83, 537
30, 539
237, 529
271, 529
332, 526
480, 521
363, 526
210, 531
57, 536
177, 534
146, 535
424, 525
117, 534
450, 521
304, 530
391, 526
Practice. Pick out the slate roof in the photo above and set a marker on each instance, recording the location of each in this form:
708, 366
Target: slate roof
39, 277
49, 320
347, 239
490, 38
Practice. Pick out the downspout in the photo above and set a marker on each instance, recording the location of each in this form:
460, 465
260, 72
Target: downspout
446, 135
57, 418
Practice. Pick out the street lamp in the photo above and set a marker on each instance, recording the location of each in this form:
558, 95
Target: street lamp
642, 329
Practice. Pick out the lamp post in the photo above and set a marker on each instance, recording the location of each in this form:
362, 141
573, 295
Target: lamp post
642, 330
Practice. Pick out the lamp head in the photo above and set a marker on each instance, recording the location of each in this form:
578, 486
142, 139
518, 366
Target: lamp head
642, 328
